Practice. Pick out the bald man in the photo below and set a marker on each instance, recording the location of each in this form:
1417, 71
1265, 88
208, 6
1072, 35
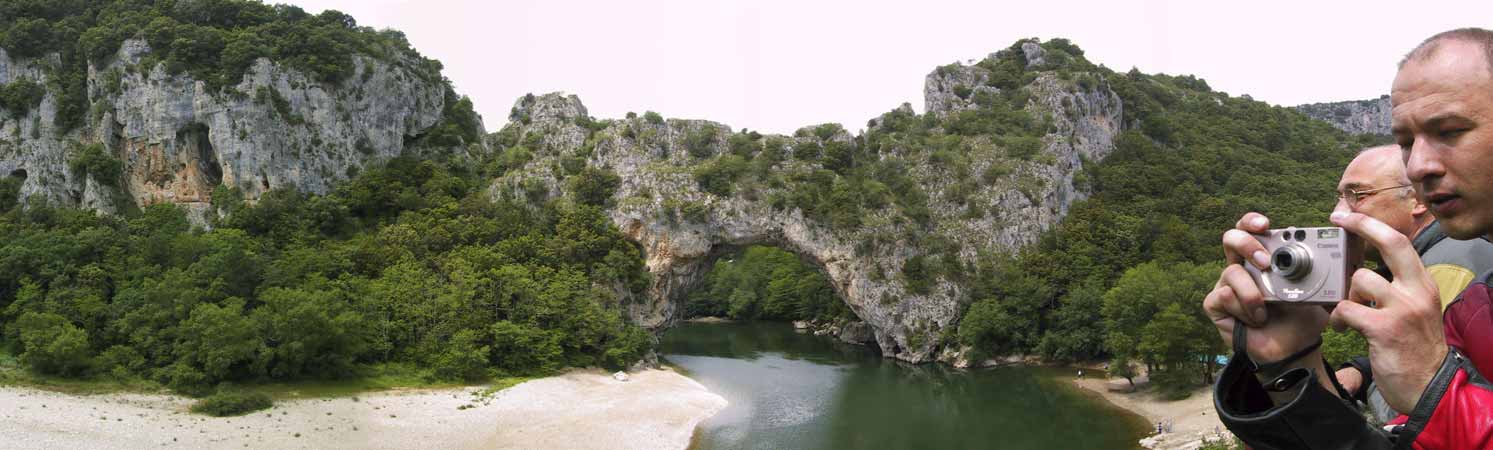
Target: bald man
1375, 184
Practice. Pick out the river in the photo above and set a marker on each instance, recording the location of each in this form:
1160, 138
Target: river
791, 390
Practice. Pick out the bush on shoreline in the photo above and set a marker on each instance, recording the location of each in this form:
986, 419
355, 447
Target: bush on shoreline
224, 404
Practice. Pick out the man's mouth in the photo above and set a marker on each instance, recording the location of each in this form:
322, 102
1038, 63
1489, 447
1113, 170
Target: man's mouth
1443, 204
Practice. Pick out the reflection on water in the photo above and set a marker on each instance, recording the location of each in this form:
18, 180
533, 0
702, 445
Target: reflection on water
790, 390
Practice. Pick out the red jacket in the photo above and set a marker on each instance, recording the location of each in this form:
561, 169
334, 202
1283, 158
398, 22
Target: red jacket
1458, 404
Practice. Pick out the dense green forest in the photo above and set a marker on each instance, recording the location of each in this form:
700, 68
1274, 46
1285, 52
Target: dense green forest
763, 282
408, 264
413, 265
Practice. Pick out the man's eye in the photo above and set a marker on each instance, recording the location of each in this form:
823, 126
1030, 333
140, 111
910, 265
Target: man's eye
1453, 132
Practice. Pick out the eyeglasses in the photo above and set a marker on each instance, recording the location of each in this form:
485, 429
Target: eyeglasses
1353, 196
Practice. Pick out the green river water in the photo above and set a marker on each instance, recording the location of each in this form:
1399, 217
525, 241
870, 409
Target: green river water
790, 390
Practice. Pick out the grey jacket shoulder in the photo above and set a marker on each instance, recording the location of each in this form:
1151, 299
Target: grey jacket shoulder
1474, 254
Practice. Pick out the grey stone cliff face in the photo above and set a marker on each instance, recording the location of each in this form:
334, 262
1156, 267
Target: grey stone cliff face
864, 263
178, 141
1355, 117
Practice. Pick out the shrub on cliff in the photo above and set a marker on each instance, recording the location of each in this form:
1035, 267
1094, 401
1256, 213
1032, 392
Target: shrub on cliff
719, 175
91, 160
20, 95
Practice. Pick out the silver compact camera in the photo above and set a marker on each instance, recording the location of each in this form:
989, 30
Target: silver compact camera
1308, 265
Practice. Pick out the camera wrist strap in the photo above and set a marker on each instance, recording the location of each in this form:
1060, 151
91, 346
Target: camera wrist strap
1241, 336
1342, 392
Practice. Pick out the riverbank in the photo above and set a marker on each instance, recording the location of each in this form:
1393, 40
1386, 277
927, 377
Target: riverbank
581, 409
1192, 419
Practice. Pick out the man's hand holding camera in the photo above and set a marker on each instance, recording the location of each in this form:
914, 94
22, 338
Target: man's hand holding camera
1276, 332
1401, 319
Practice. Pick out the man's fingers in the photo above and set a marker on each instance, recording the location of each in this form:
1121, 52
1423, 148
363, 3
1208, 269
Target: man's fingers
1239, 245
1214, 307
1367, 288
1353, 315
1253, 222
1247, 303
1394, 247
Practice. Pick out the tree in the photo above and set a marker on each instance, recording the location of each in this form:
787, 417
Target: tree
1152, 315
29, 38
20, 95
309, 332
1123, 368
221, 342
593, 186
990, 329
91, 160
522, 348
52, 345
701, 141
719, 175
1178, 341
1074, 331
465, 358
743, 304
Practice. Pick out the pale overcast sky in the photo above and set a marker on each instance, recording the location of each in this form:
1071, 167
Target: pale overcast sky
776, 65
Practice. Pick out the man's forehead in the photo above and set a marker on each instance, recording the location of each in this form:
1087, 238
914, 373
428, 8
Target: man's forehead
1452, 69
1372, 168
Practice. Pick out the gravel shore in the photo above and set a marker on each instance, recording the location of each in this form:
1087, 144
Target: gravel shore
1192, 419
582, 409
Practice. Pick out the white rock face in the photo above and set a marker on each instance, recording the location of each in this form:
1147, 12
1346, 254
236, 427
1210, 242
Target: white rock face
275, 128
657, 193
1355, 117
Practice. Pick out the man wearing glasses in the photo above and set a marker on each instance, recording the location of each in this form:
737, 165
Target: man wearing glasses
1375, 184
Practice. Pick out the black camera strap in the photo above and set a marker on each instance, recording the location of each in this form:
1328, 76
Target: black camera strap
1241, 336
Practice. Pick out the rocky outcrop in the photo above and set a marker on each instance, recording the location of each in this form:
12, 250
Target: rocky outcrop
682, 229
1356, 117
857, 333
178, 140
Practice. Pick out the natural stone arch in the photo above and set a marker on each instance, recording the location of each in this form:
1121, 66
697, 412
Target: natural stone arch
679, 257
658, 203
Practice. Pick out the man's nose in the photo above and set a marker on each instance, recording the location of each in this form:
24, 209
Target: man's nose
1423, 161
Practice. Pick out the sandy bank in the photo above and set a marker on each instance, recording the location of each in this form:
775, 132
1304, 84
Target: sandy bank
1192, 418
583, 409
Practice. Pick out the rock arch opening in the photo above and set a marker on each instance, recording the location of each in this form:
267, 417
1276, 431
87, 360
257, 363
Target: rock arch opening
764, 282
771, 282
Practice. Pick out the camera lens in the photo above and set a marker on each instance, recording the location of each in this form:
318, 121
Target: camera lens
1283, 260
1292, 261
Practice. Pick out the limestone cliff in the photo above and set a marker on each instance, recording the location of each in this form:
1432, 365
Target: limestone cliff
1355, 117
177, 140
984, 194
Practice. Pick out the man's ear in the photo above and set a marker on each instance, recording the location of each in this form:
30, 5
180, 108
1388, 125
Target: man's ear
1418, 208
